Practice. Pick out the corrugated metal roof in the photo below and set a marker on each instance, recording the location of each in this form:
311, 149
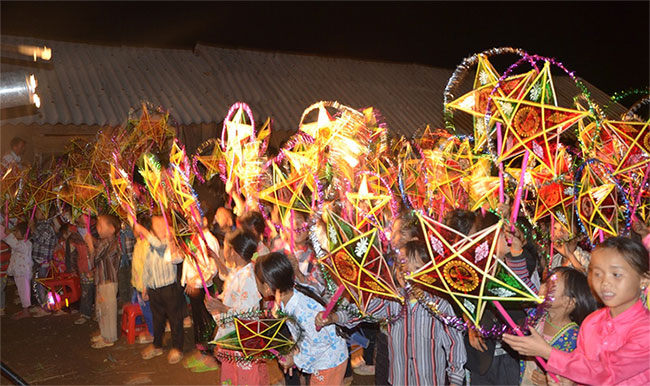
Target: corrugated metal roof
97, 85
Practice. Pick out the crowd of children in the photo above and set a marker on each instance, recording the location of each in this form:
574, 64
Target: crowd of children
252, 260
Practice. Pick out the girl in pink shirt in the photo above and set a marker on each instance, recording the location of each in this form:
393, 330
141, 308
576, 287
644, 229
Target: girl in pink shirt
614, 342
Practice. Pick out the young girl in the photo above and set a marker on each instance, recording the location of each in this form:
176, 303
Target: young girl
239, 294
20, 266
106, 253
205, 256
571, 302
613, 342
323, 354
253, 222
140, 251
422, 349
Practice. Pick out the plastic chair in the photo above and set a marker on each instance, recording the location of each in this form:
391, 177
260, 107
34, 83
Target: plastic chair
68, 283
130, 325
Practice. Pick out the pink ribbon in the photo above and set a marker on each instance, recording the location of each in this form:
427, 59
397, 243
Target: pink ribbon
332, 303
512, 324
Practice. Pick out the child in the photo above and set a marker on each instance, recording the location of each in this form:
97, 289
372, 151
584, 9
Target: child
571, 302
423, 350
223, 223
43, 238
140, 250
162, 290
239, 294
127, 242
106, 255
488, 360
66, 254
253, 222
20, 266
520, 253
613, 342
85, 267
323, 354
297, 247
569, 252
5, 258
205, 257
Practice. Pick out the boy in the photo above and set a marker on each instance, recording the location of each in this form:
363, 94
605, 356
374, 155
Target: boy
43, 238
20, 266
161, 289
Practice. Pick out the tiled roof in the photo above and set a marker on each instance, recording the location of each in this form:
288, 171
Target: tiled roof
88, 84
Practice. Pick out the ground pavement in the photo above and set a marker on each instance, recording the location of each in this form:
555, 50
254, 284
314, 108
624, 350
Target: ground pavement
52, 350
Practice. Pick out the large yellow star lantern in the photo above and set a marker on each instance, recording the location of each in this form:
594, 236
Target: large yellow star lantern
42, 192
151, 128
635, 150
293, 192
355, 260
482, 187
321, 129
450, 164
533, 121
152, 174
13, 184
466, 269
82, 193
343, 141
475, 102
214, 162
123, 191
411, 175
237, 131
597, 203
625, 145
369, 205
554, 188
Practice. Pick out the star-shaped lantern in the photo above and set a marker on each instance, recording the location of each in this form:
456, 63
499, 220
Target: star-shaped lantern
257, 339
475, 102
533, 121
356, 261
466, 269
597, 201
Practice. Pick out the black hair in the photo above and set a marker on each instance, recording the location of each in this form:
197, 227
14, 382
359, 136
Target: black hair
253, 221
16, 141
22, 227
416, 251
275, 270
209, 208
64, 228
461, 220
209, 200
243, 242
113, 221
634, 252
144, 220
576, 286
486, 220
410, 226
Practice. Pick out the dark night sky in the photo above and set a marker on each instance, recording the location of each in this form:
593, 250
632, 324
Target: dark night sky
606, 43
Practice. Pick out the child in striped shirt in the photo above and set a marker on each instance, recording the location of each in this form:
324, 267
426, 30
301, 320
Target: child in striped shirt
422, 349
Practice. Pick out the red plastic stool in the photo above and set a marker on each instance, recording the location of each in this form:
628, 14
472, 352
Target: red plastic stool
70, 284
130, 325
